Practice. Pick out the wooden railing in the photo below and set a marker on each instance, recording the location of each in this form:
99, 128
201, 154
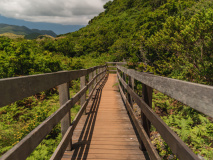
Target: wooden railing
111, 66
14, 89
194, 95
197, 96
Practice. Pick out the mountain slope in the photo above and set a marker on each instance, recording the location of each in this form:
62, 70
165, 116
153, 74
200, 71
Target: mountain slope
153, 32
22, 30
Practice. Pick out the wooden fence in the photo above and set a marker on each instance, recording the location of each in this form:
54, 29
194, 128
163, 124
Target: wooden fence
197, 96
14, 89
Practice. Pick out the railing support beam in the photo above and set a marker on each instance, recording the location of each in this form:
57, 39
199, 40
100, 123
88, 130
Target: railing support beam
147, 97
90, 78
131, 84
94, 74
83, 98
66, 121
124, 78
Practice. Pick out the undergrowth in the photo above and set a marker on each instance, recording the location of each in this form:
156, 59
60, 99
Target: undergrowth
20, 118
194, 128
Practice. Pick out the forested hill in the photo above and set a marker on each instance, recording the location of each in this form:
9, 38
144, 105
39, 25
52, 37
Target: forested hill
172, 37
22, 30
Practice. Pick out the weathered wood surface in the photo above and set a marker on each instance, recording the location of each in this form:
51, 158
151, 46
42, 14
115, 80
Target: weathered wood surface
118, 63
178, 147
90, 78
106, 131
17, 88
112, 70
144, 138
64, 96
83, 83
58, 153
197, 96
147, 97
112, 67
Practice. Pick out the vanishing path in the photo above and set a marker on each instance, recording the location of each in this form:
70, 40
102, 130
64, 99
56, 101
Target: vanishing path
105, 132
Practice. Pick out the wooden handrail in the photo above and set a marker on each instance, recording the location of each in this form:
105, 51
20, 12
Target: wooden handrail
197, 96
26, 146
64, 142
17, 88
142, 134
177, 146
116, 63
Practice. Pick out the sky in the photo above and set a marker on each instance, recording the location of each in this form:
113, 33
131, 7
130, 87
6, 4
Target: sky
57, 15
67, 12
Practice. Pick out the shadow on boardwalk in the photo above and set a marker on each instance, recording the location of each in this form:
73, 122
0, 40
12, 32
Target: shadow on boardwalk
106, 132
81, 148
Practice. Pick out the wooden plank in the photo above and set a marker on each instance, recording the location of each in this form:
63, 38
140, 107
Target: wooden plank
153, 154
17, 88
113, 156
65, 140
147, 97
90, 78
197, 96
116, 63
111, 66
94, 75
96, 138
98, 72
131, 85
177, 146
83, 83
64, 96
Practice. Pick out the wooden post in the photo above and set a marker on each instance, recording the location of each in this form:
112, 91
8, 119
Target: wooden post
83, 98
90, 78
99, 75
100, 69
147, 97
66, 121
94, 74
124, 78
102, 74
131, 84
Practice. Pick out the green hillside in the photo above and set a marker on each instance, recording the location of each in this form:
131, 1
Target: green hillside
166, 35
22, 30
11, 35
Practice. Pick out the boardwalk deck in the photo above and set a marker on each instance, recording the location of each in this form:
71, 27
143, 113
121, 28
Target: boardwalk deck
105, 132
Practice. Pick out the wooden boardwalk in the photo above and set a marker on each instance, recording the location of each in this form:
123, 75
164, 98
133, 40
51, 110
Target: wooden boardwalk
106, 131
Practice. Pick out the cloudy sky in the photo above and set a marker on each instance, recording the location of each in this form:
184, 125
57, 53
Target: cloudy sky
67, 12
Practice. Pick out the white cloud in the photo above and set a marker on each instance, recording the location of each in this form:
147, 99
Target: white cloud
55, 11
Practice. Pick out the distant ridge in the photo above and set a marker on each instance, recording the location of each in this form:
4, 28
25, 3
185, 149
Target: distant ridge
22, 30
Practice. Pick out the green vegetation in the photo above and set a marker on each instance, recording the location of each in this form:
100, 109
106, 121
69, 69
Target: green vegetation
11, 35
171, 38
18, 119
195, 129
22, 30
